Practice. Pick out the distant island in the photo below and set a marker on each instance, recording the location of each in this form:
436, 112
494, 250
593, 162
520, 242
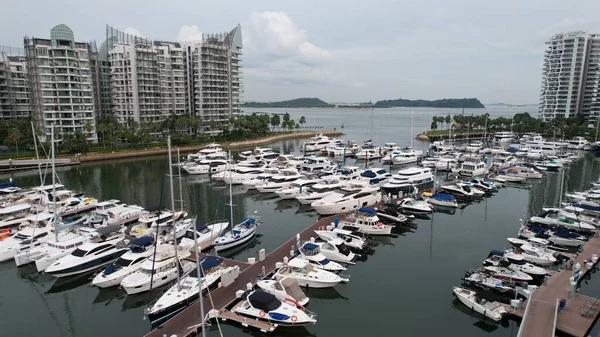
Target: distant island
306, 102
472, 103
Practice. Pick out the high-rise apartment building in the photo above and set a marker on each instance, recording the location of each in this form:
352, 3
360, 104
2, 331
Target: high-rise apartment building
146, 78
214, 79
61, 84
14, 85
571, 76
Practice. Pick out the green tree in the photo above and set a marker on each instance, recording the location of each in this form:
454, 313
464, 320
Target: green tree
14, 135
448, 120
275, 120
286, 119
434, 125
302, 120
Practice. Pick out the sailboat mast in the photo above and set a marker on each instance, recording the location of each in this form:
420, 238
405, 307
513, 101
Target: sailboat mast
372, 109
597, 124
562, 183
230, 194
37, 155
53, 183
172, 205
412, 117
485, 128
179, 173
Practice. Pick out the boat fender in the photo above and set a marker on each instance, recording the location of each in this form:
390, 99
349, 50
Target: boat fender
261, 313
294, 318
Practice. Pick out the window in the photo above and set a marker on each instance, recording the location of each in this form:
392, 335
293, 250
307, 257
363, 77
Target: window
79, 252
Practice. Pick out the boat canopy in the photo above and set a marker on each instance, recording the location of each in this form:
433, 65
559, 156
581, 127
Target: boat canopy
263, 301
367, 210
143, 241
496, 252
207, 263
565, 233
200, 227
443, 196
512, 149
369, 174
249, 221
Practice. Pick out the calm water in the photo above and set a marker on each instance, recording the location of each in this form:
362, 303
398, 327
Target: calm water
405, 286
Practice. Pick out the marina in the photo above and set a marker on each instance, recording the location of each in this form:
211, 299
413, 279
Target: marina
425, 243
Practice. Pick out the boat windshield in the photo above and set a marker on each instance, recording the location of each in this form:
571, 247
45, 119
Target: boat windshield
147, 271
324, 262
79, 252
121, 262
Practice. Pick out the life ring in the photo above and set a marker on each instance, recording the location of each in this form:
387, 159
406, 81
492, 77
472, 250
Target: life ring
294, 318
261, 313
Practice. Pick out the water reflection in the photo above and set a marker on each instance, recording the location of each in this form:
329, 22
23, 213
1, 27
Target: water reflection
482, 322
67, 283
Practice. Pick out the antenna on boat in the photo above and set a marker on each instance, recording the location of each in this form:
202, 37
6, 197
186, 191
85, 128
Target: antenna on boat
412, 117
37, 155
53, 184
179, 177
173, 208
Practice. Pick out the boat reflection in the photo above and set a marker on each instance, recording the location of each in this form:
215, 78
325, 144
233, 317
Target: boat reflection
328, 294
231, 253
109, 294
285, 204
71, 282
140, 300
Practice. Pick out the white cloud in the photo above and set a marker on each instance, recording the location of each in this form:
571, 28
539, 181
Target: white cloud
132, 31
189, 33
275, 35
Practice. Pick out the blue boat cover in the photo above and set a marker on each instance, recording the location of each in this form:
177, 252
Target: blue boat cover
10, 183
496, 252
367, 210
588, 207
143, 241
368, 174
512, 149
565, 233
200, 227
310, 246
207, 263
443, 197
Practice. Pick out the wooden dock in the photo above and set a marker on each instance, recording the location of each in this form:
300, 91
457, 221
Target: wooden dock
9, 165
542, 309
189, 321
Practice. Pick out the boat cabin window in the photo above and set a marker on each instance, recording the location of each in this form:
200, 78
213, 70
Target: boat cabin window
100, 249
121, 262
147, 271
41, 235
277, 286
79, 252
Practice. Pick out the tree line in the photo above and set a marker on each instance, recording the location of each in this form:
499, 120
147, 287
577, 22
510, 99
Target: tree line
520, 123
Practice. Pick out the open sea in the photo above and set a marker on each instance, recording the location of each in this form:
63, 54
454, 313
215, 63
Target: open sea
404, 288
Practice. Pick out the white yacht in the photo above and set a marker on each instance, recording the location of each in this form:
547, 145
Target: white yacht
375, 176
577, 143
369, 153
139, 250
185, 292
314, 164
413, 206
13, 215
445, 163
205, 234
505, 161
523, 172
460, 190
472, 167
320, 190
336, 250
295, 189
34, 231
263, 306
366, 221
60, 243
350, 239
99, 214
352, 196
285, 289
321, 142
492, 310
406, 180
406, 156
91, 255
307, 275
239, 234
207, 166
311, 252
159, 269
261, 178
119, 215
208, 150
259, 153
241, 174
503, 137
283, 179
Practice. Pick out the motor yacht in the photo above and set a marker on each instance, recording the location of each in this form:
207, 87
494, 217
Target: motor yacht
439, 199
350, 239
33, 232
295, 188
413, 206
93, 254
207, 166
472, 167
314, 164
261, 305
554, 218
139, 250
523, 172
320, 190
261, 178
336, 250
320, 142
285, 289
283, 179
513, 262
312, 253
503, 137
209, 150
352, 196
307, 275
492, 310
405, 181
365, 220
241, 174
375, 176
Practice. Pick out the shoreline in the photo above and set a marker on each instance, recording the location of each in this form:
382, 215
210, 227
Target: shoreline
153, 151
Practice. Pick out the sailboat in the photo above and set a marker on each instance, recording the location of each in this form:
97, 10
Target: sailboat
240, 233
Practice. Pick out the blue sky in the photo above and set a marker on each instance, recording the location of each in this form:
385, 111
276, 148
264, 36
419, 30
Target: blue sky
344, 51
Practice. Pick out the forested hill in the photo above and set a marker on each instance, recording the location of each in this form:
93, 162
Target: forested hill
439, 103
293, 103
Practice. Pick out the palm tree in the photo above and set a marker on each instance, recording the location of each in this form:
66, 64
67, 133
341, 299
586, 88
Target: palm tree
14, 135
302, 120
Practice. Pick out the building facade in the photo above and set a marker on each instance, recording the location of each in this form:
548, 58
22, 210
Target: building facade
214, 78
571, 76
61, 84
14, 86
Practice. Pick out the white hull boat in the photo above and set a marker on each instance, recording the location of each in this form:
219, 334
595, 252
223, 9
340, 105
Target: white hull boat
267, 307
492, 310
241, 233
307, 275
285, 289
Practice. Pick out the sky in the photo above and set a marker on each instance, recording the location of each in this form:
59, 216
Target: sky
344, 51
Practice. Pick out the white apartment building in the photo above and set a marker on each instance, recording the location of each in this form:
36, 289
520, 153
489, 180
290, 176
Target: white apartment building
571, 76
60, 84
146, 80
14, 87
214, 78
